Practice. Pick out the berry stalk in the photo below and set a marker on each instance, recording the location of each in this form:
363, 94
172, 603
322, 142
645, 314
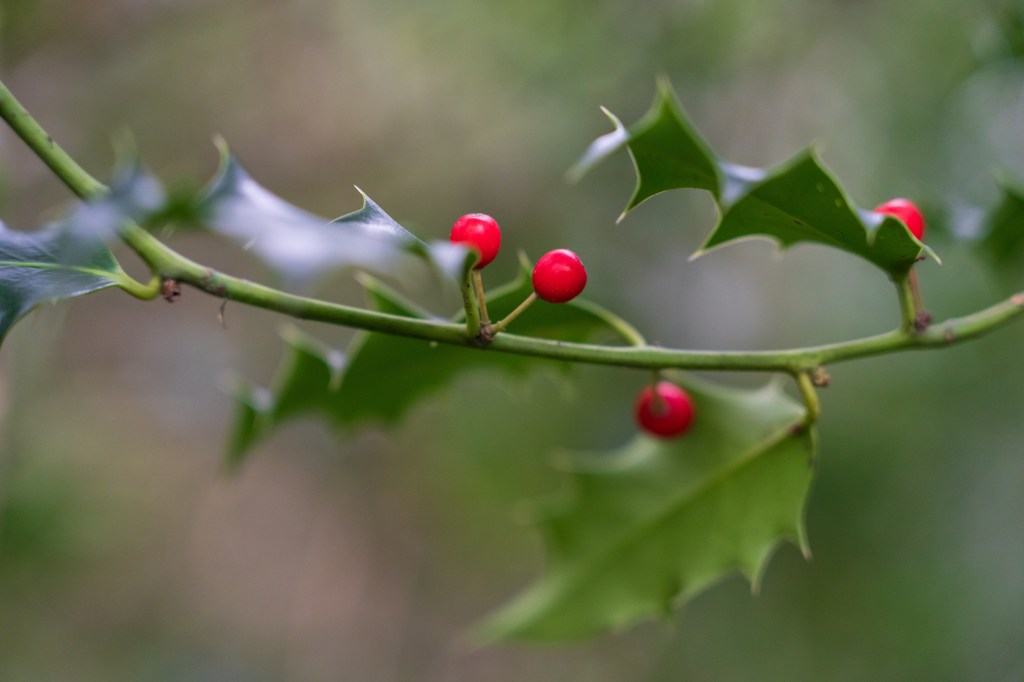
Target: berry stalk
481, 299
805, 382
503, 324
469, 304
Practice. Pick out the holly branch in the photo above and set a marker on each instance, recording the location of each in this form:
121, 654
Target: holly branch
167, 264
644, 526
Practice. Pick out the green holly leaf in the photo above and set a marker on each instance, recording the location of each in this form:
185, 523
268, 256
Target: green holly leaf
348, 390
801, 201
49, 265
70, 258
798, 201
1002, 232
301, 246
642, 529
416, 368
253, 405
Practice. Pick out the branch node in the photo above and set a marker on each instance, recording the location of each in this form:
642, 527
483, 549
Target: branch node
820, 378
170, 289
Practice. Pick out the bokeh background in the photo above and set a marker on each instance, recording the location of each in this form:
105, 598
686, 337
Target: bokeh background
127, 554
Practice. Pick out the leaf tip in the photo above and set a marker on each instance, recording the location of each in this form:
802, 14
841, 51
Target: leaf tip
365, 279
221, 144
664, 85
599, 149
252, 407
525, 264
930, 252
126, 150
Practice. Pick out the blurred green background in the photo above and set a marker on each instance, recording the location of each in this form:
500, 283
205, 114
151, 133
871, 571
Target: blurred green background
125, 554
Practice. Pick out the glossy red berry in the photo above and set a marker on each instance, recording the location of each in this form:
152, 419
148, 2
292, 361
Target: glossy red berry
664, 410
907, 211
478, 231
559, 276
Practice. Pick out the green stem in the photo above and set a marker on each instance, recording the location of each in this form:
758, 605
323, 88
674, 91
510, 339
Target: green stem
503, 324
628, 332
167, 263
469, 304
908, 307
809, 395
922, 318
145, 292
478, 288
65, 168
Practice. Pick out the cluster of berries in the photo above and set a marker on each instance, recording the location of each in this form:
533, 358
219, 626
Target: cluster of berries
559, 275
662, 409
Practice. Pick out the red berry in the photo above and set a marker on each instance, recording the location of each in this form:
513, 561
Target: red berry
478, 231
665, 410
559, 276
908, 212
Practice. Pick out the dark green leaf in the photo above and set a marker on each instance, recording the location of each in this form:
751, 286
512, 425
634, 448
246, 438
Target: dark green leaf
798, 201
70, 258
1002, 234
48, 265
415, 368
644, 528
316, 379
251, 421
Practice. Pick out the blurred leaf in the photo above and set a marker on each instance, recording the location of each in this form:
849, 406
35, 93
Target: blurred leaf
385, 375
70, 258
134, 195
1002, 235
642, 529
38, 513
49, 265
302, 246
250, 423
793, 202
1002, 37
